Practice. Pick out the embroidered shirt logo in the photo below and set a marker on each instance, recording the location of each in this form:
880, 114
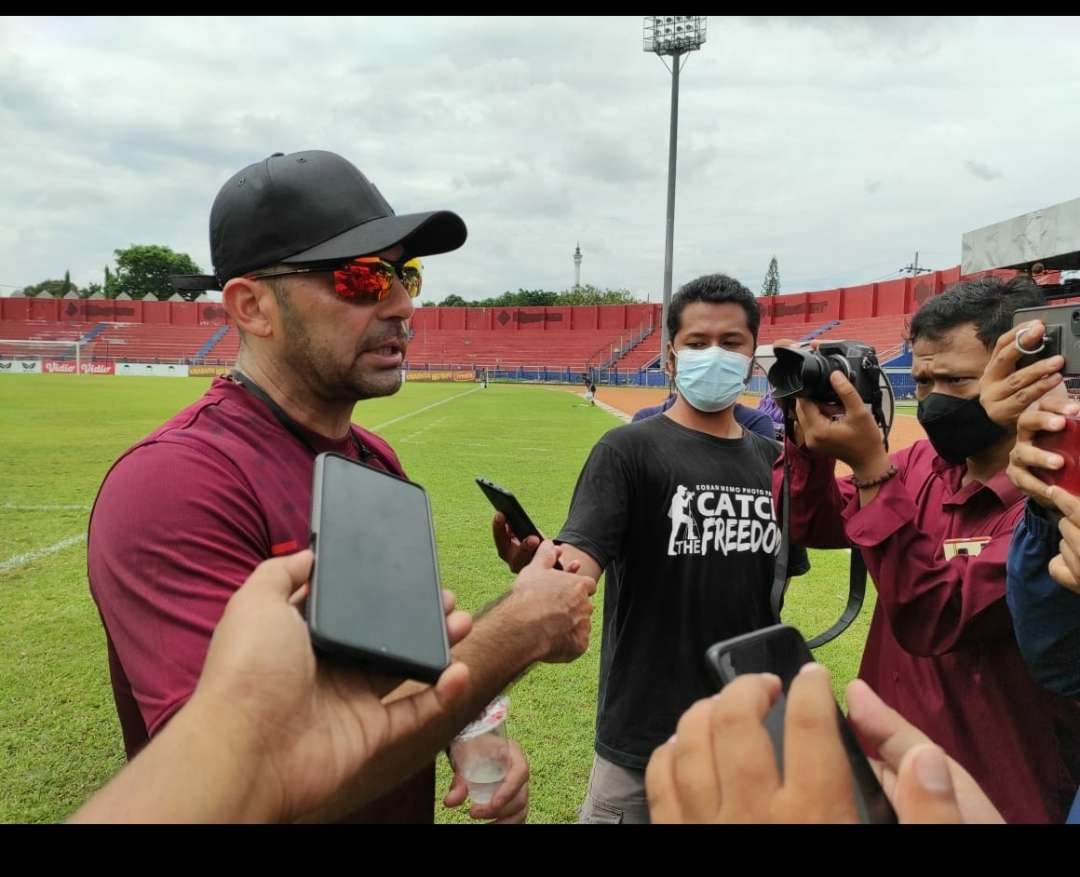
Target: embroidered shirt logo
969, 546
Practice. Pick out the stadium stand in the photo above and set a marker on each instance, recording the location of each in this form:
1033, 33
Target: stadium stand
607, 338
146, 342
477, 347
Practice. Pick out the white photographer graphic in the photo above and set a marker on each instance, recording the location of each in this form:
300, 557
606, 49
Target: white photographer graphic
681, 517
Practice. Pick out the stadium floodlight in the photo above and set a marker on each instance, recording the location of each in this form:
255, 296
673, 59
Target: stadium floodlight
673, 35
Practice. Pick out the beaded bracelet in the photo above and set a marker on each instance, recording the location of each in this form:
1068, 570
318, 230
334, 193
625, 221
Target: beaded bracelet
874, 482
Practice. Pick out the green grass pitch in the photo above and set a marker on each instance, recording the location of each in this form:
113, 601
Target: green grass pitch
59, 736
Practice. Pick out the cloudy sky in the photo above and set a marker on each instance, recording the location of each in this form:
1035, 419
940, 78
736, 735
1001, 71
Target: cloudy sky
841, 145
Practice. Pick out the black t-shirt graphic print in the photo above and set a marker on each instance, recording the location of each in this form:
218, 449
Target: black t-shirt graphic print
684, 526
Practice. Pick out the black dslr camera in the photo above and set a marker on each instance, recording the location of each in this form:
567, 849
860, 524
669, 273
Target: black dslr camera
805, 373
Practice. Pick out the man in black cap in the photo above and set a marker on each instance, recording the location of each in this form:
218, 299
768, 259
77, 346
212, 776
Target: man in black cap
318, 274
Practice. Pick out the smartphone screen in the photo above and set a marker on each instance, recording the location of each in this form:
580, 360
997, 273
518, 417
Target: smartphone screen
781, 650
376, 593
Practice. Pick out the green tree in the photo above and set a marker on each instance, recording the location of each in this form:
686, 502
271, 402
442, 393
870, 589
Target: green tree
91, 289
67, 282
537, 298
144, 269
771, 286
581, 295
55, 288
590, 295
110, 284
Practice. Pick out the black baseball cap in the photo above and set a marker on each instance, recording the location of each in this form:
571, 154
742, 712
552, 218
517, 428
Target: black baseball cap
306, 207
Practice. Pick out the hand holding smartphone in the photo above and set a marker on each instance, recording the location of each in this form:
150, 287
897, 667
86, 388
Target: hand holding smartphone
516, 517
1061, 336
504, 501
782, 651
376, 598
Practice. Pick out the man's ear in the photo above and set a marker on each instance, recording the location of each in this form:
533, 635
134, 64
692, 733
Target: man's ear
251, 305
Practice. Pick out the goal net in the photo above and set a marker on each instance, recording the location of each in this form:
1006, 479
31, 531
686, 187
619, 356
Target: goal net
22, 356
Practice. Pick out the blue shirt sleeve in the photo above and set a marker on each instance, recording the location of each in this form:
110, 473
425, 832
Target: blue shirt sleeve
645, 413
653, 410
755, 421
1045, 615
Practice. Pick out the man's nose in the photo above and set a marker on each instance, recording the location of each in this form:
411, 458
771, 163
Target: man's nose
397, 304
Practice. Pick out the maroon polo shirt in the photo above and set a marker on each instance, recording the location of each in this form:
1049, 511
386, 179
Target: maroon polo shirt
181, 520
941, 648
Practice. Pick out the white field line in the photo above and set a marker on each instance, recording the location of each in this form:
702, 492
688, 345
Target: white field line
422, 410
603, 406
426, 428
30, 556
13, 507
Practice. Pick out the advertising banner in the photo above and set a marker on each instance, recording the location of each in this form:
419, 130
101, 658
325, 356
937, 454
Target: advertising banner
412, 375
20, 366
153, 370
208, 371
97, 367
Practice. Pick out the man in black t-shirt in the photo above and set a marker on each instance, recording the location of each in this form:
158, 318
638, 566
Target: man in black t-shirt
678, 511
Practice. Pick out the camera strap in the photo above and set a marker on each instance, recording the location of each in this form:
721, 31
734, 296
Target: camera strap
856, 574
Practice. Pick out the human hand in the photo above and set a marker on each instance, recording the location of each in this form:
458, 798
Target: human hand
1046, 415
510, 803
1005, 392
720, 765
852, 436
1065, 566
923, 783
513, 551
555, 604
312, 730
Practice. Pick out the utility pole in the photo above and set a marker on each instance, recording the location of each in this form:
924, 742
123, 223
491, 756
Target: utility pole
913, 269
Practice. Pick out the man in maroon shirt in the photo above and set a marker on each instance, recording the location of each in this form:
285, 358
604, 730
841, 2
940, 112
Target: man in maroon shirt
318, 275
933, 522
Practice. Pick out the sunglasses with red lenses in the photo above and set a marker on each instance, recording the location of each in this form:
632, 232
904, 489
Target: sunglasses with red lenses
365, 278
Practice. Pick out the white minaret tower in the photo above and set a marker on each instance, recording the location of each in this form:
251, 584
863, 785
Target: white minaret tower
577, 267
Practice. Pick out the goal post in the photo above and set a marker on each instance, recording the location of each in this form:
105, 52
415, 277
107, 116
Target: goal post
27, 355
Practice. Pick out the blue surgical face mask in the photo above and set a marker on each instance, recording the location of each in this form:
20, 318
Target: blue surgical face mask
711, 379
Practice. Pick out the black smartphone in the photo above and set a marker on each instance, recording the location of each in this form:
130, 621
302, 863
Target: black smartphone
1062, 335
376, 597
505, 502
781, 650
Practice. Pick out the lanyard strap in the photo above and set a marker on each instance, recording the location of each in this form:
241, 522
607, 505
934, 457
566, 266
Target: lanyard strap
856, 574
283, 418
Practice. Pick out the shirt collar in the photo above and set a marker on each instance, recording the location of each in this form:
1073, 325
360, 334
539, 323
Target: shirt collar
953, 474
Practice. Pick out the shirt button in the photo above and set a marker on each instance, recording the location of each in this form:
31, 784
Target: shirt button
895, 677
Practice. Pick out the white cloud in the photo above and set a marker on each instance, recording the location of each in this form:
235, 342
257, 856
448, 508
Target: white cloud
982, 171
839, 144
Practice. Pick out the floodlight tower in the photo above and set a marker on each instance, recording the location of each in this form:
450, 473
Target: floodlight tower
674, 35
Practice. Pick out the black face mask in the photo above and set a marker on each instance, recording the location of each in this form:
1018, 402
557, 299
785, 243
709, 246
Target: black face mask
957, 428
